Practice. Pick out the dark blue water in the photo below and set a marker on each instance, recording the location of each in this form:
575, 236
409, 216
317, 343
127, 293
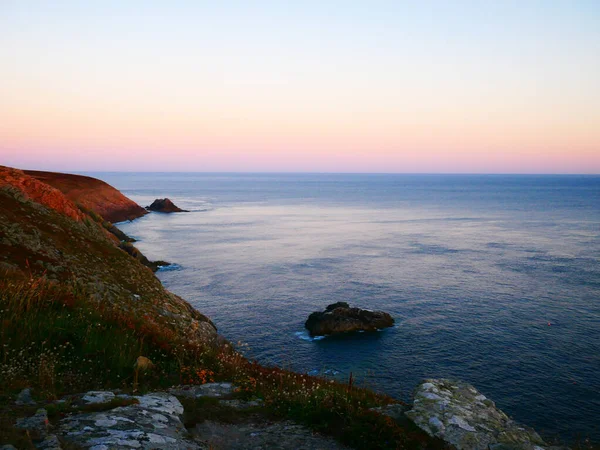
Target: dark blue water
492, 279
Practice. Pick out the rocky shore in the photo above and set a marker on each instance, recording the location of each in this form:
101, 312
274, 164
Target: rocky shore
452, 411
71, 282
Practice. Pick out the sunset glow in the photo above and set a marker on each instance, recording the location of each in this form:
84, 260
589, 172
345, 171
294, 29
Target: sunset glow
487, 87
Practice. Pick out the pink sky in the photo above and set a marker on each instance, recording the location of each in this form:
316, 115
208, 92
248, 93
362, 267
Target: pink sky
488, 89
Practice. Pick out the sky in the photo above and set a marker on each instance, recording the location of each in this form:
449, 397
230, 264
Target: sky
306, 86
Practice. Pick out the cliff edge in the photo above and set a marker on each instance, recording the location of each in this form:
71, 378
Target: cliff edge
93, 194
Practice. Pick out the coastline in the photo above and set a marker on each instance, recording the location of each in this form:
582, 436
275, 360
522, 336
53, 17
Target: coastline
156, 307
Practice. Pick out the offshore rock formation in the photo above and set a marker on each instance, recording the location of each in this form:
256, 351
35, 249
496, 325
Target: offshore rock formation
341, 318
164, 205
92, 194
463, 417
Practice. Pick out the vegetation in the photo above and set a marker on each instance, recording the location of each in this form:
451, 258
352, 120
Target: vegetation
58, 341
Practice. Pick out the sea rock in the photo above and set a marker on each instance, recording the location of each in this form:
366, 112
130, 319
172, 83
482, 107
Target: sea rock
164, 205
152, 423
340, 318
459, 414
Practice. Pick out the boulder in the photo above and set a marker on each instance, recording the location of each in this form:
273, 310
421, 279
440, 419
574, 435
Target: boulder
208, 390
341, 318
164, 205
37, 425
24, 398
152, 423
460, 415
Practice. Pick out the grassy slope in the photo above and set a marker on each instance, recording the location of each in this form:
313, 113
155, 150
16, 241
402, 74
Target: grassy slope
92, 194
77, 311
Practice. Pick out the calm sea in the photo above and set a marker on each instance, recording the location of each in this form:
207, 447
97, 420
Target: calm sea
492, 279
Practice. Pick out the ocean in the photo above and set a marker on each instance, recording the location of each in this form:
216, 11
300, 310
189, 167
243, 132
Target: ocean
492, 279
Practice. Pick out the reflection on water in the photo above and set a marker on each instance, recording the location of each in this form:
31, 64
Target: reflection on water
494, 280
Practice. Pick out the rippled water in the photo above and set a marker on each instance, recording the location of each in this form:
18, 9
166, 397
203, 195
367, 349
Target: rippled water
492, 279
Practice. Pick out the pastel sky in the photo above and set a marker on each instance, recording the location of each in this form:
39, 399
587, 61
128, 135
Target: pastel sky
326, 86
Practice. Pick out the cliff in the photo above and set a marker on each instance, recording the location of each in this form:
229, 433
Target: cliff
93, 194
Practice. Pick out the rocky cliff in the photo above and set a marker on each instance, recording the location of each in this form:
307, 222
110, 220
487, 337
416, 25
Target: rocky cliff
92, 194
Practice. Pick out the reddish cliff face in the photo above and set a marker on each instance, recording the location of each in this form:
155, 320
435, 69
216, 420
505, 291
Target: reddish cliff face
92, 194
39, 192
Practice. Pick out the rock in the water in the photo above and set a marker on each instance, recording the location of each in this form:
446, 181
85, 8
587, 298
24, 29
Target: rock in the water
340, 318
152, 423
459, 414
164, 205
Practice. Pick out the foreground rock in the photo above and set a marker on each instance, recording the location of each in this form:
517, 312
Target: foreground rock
284, 435
164, 205
341, 318
152, 423
459, 414
208, 390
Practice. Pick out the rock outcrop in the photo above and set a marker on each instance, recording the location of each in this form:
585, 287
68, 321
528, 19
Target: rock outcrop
30, 188
92, 194
164, 205
153, 422
341, 318
459, 414
135, 253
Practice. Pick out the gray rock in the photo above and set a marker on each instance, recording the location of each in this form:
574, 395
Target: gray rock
460, 415
241, 404
93, 397
395, 411
284, 435
24, 398
151, 424
37, 425
51, 442
213, 390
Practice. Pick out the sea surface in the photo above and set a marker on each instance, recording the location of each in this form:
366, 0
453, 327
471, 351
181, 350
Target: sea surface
492, 279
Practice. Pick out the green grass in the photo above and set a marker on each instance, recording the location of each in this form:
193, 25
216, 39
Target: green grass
58, 340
